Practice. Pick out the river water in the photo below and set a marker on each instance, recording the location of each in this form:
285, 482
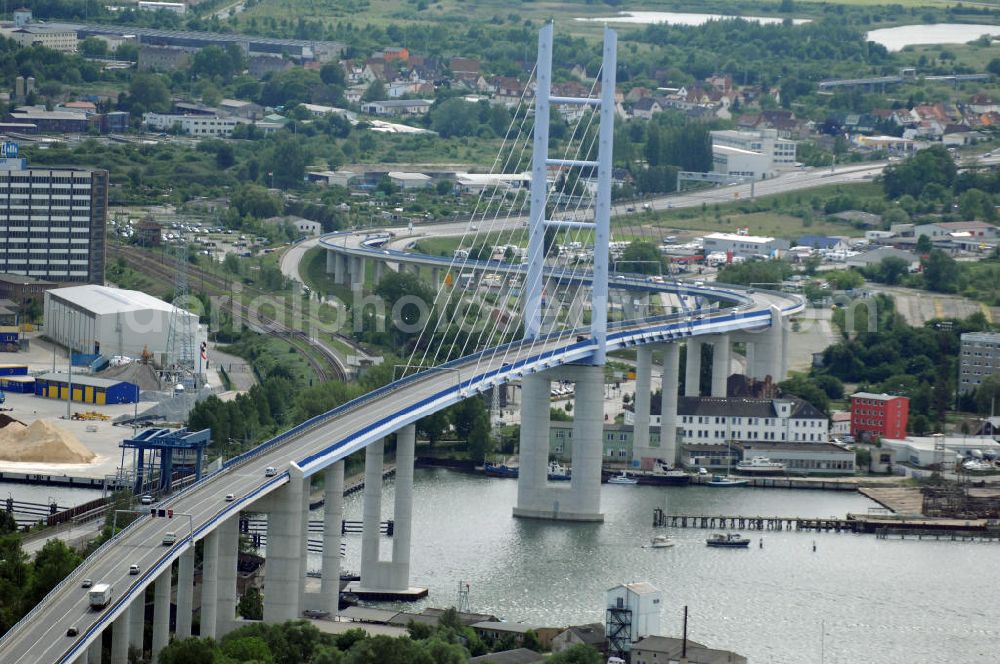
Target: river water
897, 38
855, 599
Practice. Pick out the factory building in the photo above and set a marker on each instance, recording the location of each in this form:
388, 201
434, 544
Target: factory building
111, 321
86, 389
52, 221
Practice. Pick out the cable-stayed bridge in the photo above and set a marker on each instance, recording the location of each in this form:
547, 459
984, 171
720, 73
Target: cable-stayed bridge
510, 334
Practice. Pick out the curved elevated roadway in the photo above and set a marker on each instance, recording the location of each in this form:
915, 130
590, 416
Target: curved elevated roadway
313, 445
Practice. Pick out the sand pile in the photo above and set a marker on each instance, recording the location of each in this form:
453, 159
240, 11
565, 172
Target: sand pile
42, 442
136, 373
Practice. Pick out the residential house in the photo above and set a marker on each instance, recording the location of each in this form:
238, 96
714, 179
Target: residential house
646, 108
397, 107
495, 630
261, 65
592, 635
664, 649
163, 58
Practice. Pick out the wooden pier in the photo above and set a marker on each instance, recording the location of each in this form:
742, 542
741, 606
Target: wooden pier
884, 525
775, 523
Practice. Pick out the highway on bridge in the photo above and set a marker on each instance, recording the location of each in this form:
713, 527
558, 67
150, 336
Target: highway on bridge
313, 445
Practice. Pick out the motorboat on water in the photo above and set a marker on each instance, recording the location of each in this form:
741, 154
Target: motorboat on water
728, 541
663, 474
760, 465
726, 481
558, 472
661, 542
499, 470
623, 479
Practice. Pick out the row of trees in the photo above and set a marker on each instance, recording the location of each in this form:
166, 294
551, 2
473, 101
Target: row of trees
298, 642
24, 582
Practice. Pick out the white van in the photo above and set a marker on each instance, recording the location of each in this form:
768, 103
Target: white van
169, 539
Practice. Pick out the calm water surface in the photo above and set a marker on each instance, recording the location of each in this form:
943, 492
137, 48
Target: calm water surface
679, 18
896, 38
882, 602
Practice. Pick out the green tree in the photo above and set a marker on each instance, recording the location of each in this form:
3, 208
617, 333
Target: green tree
248, 648
986, 395
251, 605
578, 654
52, 564
287, 162
641, 257
924, 244
941, 272
807, 389
15, 577
93, 47
933, 165
332, 73
891, 269
255, 201
375, 92
148, 93
190, 651
433, 427
455, 117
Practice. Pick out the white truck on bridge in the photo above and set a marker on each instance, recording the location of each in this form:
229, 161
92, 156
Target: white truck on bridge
100, 595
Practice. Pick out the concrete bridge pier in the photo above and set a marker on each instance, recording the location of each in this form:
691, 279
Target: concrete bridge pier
331, 262
210, 583
357, 272
119, 638
692, 370
137, 621
286, 525
340, 268
94, 652
379, 270
391, 575
770, 350
641, 446
161, 613
721, 359
436, 276
536, 496
333, 513
185, 593
229, 547
668, 409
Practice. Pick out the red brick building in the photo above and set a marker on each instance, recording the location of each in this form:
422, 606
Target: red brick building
878, 416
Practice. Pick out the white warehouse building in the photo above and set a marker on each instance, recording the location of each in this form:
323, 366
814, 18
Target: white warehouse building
111, 321
744, 246
751, 154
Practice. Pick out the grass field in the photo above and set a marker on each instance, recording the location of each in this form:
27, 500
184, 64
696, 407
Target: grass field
498, 12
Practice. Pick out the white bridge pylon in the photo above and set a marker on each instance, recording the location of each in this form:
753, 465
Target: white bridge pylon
580, 498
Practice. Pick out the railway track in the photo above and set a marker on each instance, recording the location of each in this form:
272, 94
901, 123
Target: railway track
322, 360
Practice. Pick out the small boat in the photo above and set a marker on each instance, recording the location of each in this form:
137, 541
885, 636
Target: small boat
662, 474
760, 465
726, 481
728, 541
661, 542
558, 472
499, 470
623, 479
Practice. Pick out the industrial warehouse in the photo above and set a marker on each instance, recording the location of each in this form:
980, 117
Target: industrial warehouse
97, 320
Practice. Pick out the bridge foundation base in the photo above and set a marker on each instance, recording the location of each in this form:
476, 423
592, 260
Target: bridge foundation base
556, 514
